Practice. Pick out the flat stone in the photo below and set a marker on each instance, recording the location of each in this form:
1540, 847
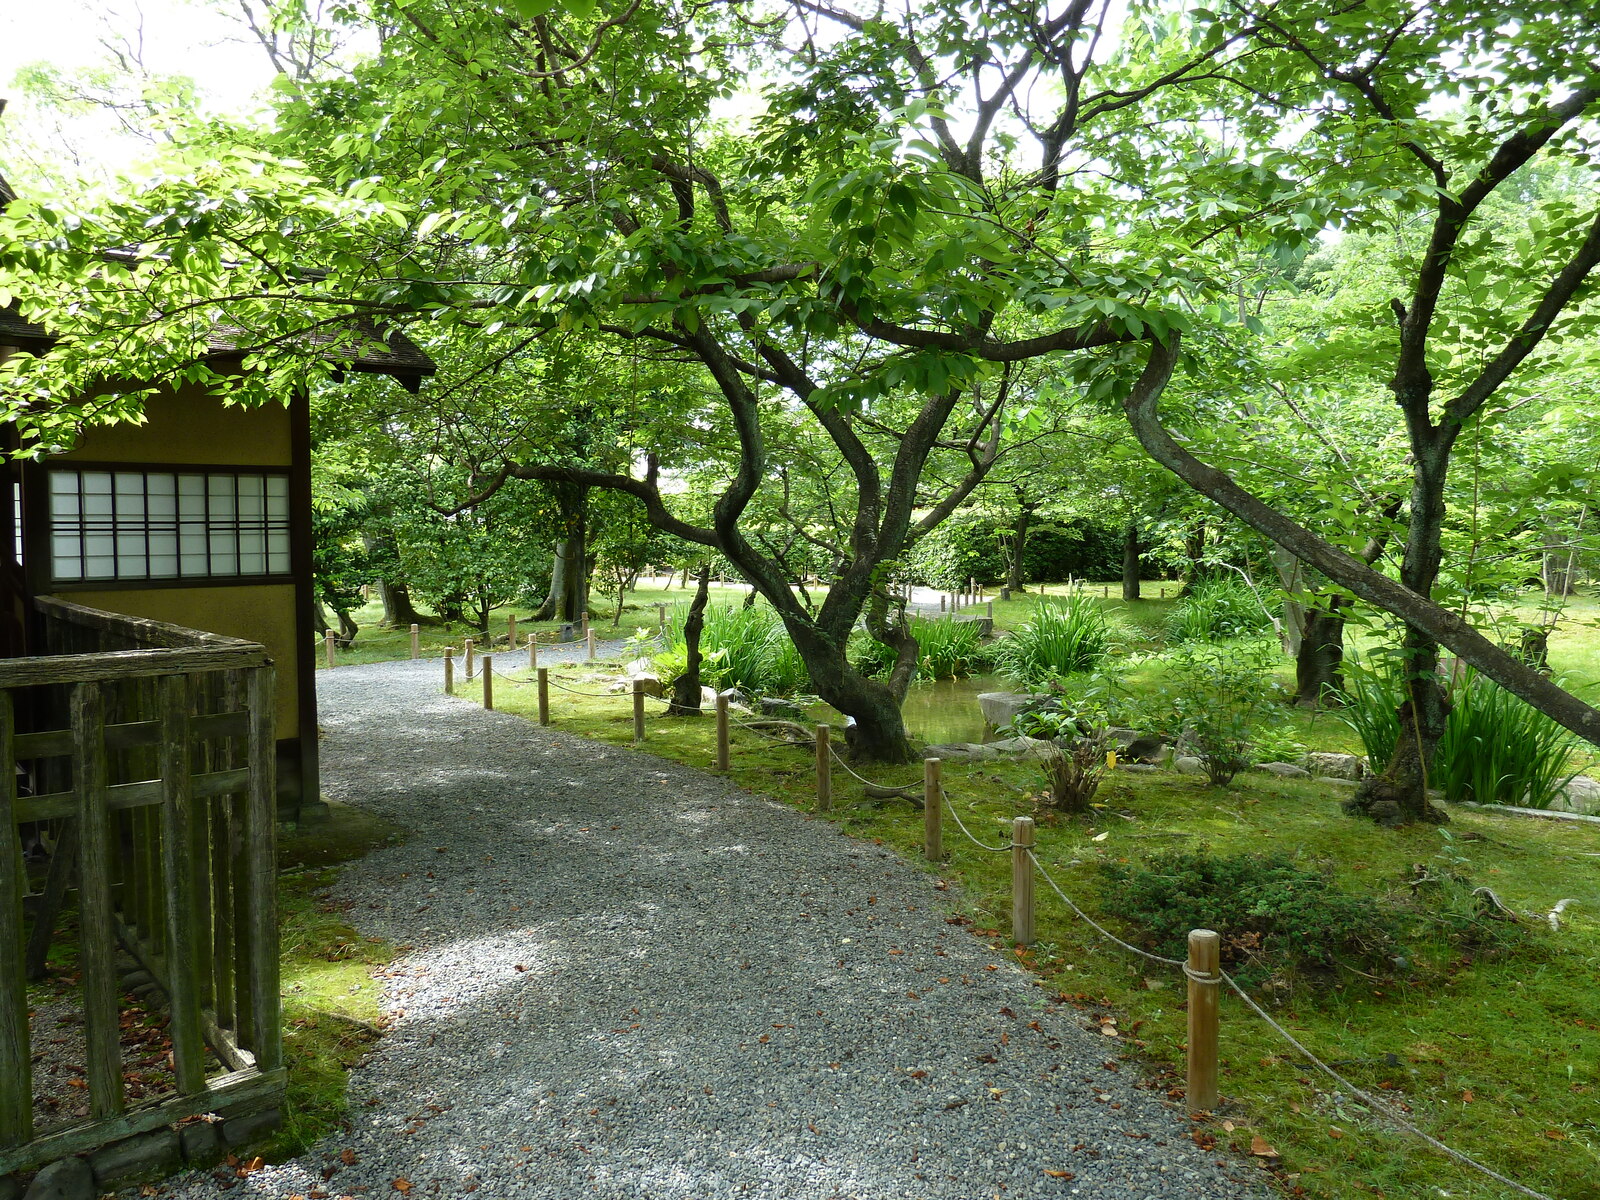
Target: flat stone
1580, 794
1336, 766
1188, 764
777, 706
651, 685
1282, 770
947, 751
250, 1127
1348, 785
149, 1156
999, 708
201, 1142
64, 1179
985, 624
1138, 767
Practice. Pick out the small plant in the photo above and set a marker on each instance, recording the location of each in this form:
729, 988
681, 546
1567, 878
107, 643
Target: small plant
1064, 634
1222, 693
1271, 911
1074, 773
1214, 609
746, 648
1275, 744
948, 649
1371, 706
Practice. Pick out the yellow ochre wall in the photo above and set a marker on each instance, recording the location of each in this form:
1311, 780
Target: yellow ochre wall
257, 613
191, 427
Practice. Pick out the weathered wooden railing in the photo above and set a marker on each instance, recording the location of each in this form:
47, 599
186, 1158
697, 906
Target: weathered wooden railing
148, 750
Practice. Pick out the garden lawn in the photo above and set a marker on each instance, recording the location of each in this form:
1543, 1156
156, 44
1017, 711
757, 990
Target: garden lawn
1498, 1054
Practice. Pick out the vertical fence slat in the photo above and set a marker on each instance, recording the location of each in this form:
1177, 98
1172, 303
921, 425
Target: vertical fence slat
260, 886
222, 911
177, 850
16, 1061
97, 955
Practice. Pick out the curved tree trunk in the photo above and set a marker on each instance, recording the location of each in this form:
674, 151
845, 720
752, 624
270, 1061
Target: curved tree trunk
398, 610
1130, 561
551, 604
1319, 655
686, 687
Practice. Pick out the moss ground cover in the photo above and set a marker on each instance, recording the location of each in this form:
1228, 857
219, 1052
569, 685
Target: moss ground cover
1492, 1045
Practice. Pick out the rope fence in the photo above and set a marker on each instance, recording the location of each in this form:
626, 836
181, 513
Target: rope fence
1202, 969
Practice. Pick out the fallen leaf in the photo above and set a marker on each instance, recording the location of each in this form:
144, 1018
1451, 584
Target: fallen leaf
1260, 1148
348, 1157
1100, 837
1555, 1135
1335, 1132
1466, 1096
401, 1185
1059, 1174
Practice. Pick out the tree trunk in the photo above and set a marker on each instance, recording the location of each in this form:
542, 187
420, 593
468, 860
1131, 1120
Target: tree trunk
398, 610
575, 592
1194, 549
1130, 561
1558, 570
1319, 654
686, 687
1019, 543
551, 604
1399, 796
347, 629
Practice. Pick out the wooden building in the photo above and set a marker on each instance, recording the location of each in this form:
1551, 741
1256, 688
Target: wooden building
200, 517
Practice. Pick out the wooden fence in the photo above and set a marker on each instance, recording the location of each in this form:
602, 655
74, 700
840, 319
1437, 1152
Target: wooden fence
146, 750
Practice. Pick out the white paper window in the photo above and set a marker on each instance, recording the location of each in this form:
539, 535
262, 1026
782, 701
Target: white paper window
133, 525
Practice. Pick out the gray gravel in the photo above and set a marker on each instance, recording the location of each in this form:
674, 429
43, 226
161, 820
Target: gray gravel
627, 978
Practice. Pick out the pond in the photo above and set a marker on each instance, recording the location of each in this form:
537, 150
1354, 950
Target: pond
945, 710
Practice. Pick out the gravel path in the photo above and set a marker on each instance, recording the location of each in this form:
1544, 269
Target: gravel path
627, 978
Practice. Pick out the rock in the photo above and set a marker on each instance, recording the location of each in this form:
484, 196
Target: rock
1282, 770
777, 706
947, 751
985, 624
1188, 764
1349, 785
1138, 768
201, 1142
979, 751
1120, 738
708, 697
651, 686
148, 1156
250, 1127
1336, 766
1146, 748
64, 1179
999, 708
1580, 794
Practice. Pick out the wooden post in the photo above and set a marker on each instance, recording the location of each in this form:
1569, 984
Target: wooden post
544, 695
988, 609
97, 961
824, 772
533, 651
488, 681
1106, 592
327, 646
16, 1059
177, 844
1021, 881
932, 811
259, 920
661, 615
588, 635
449, 670
416, 642
1204, 992
638, 710
585, 624
511, 631
941, 601
722, 731
469, 649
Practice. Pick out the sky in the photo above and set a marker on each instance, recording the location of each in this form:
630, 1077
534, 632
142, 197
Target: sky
171, 37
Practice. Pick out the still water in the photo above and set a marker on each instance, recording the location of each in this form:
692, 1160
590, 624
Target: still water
945, 710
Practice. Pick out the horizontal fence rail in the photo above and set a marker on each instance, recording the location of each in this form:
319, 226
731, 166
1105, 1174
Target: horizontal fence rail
137, 758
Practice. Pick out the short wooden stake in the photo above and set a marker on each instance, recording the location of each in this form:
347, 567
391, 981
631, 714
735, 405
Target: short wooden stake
932, 810
470, 649
638, 710
1106, 592
661, 614
1021, 881
586, 625
449, 670
511, 631
588, 635
988, 609
722, 731
327, 646
416, 641
824, 771
1205, 985
488, 681
533, 651
941, 601
544, 695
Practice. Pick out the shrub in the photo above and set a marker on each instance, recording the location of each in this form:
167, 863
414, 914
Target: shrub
1074, 772
969, 547
949, 649
1213, 609
1496, 749
1220, 694
746, 648
1271, 911
1062, 635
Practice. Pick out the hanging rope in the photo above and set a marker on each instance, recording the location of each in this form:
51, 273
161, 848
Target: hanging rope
951, 805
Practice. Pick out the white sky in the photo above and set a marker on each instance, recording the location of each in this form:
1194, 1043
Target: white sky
171, 37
